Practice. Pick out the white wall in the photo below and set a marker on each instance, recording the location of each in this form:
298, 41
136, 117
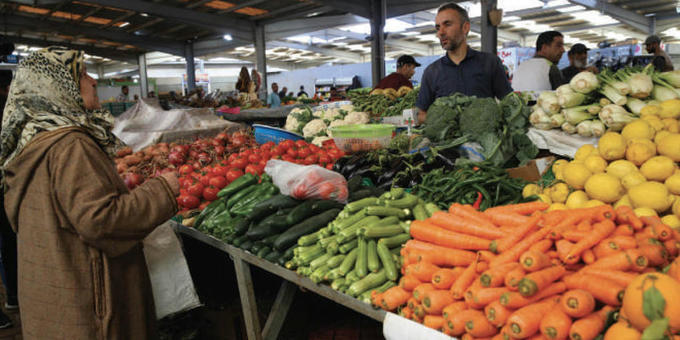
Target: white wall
108, 92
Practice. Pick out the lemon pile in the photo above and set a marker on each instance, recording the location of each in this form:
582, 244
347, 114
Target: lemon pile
637, 167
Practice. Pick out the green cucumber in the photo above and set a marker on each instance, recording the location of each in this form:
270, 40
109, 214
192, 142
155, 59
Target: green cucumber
372, 261
264, 251
362, 258
348, 263
360, 204
269, 240
257, 245
319, 261
271, 225
371, 280
397, 240
383, 231
235, 198
387, 262
349, 221
239, 240
310, 208
237, 185
271, 206
309, 239
247, 244
273, 256
337, 283
241, 227
310, 225
419, 212
386, 211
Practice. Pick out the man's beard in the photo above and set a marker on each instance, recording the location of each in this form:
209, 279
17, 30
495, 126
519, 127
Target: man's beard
453, 45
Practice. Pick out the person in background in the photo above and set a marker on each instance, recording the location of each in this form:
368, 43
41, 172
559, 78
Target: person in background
578, 62
255, 77
274, 100
406, 68
540, 73
8, 239
335, 95
136, 98
124, 95
461, 69
653, 46
83, 272
151, 94
302, 92
283, 93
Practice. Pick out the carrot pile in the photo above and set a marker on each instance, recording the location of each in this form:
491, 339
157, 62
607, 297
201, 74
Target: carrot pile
516, 271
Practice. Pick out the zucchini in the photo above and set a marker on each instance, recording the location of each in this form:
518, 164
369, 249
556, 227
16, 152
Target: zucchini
264, 251
397, 240
319, 273
310, 225
385, 231
304, 271
407, 202
431, 208
386, 211
273, 256
346, 247
337, 283
362, 258
387, 262
319, 261
365, 297
326, 241
287, 255
348, 222
371, 280
300, 249
241, 227
255, 248
419, 212
348, 263
336, 260
239, 240
271, 206
351, 232
307, 257
396, 193
269, 240
309, 239
310, 208
351, 277
247, 244
360, 204
385, 286
372, 261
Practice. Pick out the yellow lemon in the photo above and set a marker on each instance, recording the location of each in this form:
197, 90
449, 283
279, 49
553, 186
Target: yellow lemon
657, 124
621, 168
650, 110
593, 203
669, 146
676, 208
660, 135
559, 193
544, 198
670, 108
641, 212
558, 167
625, 200
595, 163
576, 175
632, 179
658, 168
557, 206
576, 199
673, 183
652, 195
530, 190
584, 151
604, 187
638, 128
670, 125
639, 150
612, 146
671, 221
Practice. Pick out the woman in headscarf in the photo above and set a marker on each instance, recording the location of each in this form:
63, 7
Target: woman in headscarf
82, 273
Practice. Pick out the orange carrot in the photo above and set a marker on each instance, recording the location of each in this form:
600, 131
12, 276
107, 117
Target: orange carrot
563, 247
623, 230
590, 326
394, 297
525, 321
470, 214
554, 217
534, 282
438, 255
538, 336
409, 282
412, 303
433, 321
532, 260
555, 324
406, 312
630, 259
602, 289
496, 313
481, 267
521, 208
620, 277
478, 298
486, 256
506, 218
542, 246
577, 303
575, 216
517, 249
600, 231
454, 308
660, 230
502, 245
513, 277
584, 225
444, 278
423, 271
479, 326
611, 245
672, 247
459, 224
425, 231
435, 300
589, 257
655, 254
553, 254
419, 312
419, 292
574, 235
516, 300
495, 276
625, 214
464, 281
455, 324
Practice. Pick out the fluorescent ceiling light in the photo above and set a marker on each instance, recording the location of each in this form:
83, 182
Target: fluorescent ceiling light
531, 25
124, 24
554, 3
410, 33
511, 18
571, 9
340, 44
396, 26
514, 5
424, 23
227, 37
144, 14
360, 28
597, 18
428, 37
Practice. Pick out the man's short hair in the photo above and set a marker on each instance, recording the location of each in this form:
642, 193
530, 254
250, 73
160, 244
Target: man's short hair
464, 17
546, 38
123, 87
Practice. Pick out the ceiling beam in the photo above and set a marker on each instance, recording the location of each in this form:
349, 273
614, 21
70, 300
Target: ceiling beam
300, 26
89, 14
119, 19
397, 8
345, 55
242, 5
281, 10
633, 19
98, 51
474, 26
359, 8
300, 15
390, 41
238, 28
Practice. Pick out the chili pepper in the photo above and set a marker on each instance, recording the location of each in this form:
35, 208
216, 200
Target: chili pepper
478, 201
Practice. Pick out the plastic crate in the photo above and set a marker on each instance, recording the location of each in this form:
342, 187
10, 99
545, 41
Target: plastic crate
116, 108
362, 137
264, 134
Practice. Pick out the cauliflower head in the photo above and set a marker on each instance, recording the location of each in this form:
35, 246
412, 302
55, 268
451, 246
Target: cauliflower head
292, 124
357, 118
318, 113
331, 115
314, 128
338, 122
318, 141
347, 107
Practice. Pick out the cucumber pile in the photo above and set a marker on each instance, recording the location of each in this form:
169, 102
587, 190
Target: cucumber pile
358, 252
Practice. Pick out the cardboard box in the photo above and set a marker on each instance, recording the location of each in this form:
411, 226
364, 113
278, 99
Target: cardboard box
533, 170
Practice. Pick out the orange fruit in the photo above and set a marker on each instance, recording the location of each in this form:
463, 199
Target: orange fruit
674, 270
622, 331
633, 299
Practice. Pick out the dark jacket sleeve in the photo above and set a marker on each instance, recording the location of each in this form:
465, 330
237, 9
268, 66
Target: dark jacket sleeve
556, 79
426, 94
103, 216
501, 84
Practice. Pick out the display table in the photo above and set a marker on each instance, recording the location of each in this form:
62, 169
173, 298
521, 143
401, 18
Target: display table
277, 316
268, 116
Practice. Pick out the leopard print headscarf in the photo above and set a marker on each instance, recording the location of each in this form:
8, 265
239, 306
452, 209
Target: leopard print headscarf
45, 96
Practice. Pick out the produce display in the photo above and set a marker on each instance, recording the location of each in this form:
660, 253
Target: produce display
517, 271
384, 102
314, 124
592, 104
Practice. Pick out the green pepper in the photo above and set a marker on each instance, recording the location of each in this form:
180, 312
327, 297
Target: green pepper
238, 185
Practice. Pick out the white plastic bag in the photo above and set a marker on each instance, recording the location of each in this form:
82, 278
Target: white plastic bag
307, 181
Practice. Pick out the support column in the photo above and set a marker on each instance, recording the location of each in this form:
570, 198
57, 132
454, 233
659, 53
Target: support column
652, 25
261, 60
191, 69
143, 80
378, 14
489, 32
100, 71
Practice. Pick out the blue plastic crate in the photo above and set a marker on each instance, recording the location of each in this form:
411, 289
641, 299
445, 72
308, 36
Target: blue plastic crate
264, 134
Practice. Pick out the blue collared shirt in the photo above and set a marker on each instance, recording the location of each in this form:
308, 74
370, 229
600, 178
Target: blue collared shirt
273, 100
479, 74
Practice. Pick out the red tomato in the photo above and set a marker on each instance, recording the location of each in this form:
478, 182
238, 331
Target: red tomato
262, 163
205, 180
260, 169
311, 159
190, 201
232, 157
287, 144
233, 174
220, 170
300, 143
265, 155
304, 152
195, 175
186, 169
292, 153
219, 150
218, 182
300, 191
314, 148
239, 163
185, 182
335, 154
278, 151
324, 159
203, 205
329, 166
326, 190
195, 189
210, 193
288, 158
247, 152
252, 169
238, 140
253, 158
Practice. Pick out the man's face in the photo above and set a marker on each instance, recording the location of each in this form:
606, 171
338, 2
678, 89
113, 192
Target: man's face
126, 90
451, 31
579, 60
275, 87
651, 48
409, 70
554, 50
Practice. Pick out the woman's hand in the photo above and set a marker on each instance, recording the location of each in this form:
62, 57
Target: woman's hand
172, 180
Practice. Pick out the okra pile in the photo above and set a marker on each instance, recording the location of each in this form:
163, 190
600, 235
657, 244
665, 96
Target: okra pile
359, 251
